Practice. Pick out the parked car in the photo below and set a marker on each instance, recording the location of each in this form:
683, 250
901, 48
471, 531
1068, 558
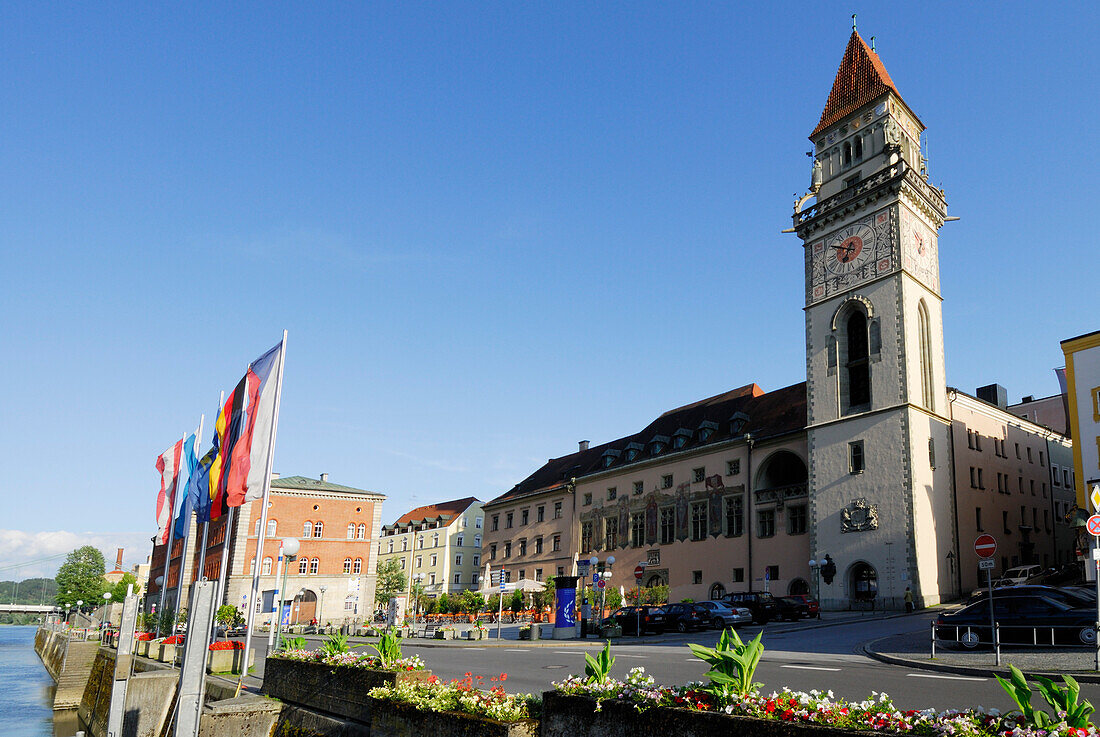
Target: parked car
721, 615
791, 608
652, 619
810, 602
1070, 597
760, 603
684, 617
1018, 575
234, 631
1023, 619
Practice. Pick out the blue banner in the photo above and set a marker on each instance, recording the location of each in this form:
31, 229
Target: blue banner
565, 616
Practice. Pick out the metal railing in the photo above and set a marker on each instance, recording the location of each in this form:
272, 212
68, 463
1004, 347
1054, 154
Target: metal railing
974, 636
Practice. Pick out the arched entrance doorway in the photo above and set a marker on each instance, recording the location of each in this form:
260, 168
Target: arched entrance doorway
305, 607
798, 586
863, 582
717, 591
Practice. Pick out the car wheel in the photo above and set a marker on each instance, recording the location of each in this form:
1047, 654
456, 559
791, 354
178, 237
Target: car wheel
717, 623
969, 639
1087, 635
681, 626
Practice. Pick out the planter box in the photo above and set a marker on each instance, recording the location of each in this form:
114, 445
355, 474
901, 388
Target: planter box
475, 634
576, 716
525, 634
399, 720
163, 653
444, 634
611, 632
228, 661
337, 690
141, 647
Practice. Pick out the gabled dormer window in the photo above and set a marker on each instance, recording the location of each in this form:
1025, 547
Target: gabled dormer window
706, 430
632, 451
610, 456
738, 422
680, 438
658, 444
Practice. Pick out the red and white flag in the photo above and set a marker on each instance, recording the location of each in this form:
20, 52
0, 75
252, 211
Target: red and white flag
249, 459
168, 464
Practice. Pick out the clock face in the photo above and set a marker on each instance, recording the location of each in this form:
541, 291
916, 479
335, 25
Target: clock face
857, 252
919, 250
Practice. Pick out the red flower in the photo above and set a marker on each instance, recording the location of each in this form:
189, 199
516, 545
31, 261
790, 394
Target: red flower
503, 677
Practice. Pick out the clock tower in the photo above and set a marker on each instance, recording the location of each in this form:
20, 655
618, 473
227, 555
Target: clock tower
880, 481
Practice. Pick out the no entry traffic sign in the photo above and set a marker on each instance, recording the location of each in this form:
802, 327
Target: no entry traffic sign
1093, 525
985, 546
639, 571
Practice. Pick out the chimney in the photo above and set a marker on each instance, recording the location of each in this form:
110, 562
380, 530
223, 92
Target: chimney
274, 475
995, 394
324, 478
1028, 398
118, 560
583, 445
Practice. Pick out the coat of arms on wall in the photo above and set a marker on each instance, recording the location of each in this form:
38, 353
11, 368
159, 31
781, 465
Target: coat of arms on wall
859, 516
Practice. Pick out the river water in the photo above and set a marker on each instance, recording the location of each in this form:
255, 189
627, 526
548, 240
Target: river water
26, 689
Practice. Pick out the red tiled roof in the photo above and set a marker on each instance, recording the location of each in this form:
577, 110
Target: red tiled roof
861, 79
444, 509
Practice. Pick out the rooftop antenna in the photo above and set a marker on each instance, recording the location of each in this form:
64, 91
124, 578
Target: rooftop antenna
853, 22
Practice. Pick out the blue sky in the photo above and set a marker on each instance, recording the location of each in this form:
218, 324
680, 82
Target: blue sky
492, 230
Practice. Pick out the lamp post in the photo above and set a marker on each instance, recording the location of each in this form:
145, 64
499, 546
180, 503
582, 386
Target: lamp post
415, 588
79, 604
815, 566
160, 585
321, 608
597, 576
288, 548
103, 622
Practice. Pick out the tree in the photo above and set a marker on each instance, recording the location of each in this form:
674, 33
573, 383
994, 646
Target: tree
516, 605
228, 616
82, 574
546, 597
472, 601
118, 593
444, 603
391, 581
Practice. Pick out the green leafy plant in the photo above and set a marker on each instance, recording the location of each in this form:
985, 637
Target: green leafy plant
1062, 700
334, 645
295, 643
598, 669
732, 664
388, 649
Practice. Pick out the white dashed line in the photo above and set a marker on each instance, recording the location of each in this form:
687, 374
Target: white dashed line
624, 655
809, 667
515, 650
945, 678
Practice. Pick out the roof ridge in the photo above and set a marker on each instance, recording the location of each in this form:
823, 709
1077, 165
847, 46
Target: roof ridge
861, 78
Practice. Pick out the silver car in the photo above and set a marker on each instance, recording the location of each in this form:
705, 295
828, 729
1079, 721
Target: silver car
721, 615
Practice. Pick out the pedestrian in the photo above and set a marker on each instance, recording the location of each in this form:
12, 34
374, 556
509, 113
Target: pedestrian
908, 600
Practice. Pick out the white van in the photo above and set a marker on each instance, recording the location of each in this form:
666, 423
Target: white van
1018, 575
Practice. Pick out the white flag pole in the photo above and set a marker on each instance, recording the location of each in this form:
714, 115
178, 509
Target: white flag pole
263, 515
168, 545
187, 524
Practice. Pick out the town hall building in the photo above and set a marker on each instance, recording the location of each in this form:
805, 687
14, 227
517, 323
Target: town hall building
873, 461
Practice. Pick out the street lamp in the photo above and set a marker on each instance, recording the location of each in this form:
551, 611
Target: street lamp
321, 608
815, 566
103, 623
160, 588
288, 548
417, 578
604, 575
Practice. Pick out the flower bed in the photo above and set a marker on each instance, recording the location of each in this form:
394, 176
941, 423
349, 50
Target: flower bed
228, 660
143, 636
227, 645
459, 707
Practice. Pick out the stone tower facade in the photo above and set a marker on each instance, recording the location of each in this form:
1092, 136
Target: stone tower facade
879, 447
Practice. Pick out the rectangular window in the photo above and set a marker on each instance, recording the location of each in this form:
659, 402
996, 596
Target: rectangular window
639, 487
522, 574
699, 521
1041, 459
738, 575
314, 562
977, 442
1017, 451
477, 523
458, 578
1031, 483
588, 498
611, 533
507, 550
698, 475
557, 510
733, 467
1054, 468
477, 560
419, 561
1046, 520
556, 543
458, 541
932, 453
524, 515
458, 559
496, 522
855, 457
1004, 522
978, 519
612, 492
668, 525
765, 523
1023, 515
508, 521
666, 481
435, 560
637, 530
586, 537
431, 579
561, 571
538, 574
538, 546
1065, 478
735, 516
697, 577
796, 520
523, 547
493, 551
772, 573
540, 513
1029, 456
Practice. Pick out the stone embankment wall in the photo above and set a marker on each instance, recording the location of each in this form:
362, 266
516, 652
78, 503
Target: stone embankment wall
69, 663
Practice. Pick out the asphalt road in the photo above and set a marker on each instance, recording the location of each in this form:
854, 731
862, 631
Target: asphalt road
825, 658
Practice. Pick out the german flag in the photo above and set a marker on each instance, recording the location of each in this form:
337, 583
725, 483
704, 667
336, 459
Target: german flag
227, 430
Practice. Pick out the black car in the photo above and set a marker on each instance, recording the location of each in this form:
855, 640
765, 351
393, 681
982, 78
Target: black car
1022, 619
650, 619
1070, 597
760, 603
684, 617
791, 608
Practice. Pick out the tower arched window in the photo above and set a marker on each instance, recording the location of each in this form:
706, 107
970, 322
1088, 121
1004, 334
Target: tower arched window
351, 530
303, 564
313, 565
272, 526
361, 532
846, 155
928, 396
857, 365
318, 529
347, 565
857, 151
307, 528
266, 568
358, 568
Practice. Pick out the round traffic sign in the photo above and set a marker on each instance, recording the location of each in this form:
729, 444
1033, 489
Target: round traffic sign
601, 583
1093, 525
985, 546
639, 570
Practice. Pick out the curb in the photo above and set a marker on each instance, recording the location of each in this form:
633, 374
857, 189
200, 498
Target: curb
966, 670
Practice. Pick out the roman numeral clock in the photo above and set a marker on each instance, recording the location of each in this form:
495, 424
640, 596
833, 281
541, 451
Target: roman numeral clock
858, 252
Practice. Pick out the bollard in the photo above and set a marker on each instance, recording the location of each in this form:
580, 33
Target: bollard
933, 641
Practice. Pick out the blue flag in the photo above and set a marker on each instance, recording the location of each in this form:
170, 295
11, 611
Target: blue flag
198, 490
187, 471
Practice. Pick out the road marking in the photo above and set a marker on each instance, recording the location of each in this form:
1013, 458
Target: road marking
515, 650
474, 648
624, 655
571, 652
946, 678
808, 667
